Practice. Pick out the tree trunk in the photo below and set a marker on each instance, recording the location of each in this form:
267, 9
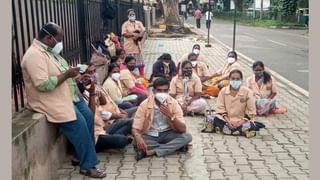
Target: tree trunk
160, 6
172, 17
261, 9
171, 12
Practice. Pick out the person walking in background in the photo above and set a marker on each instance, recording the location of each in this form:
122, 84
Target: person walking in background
198, 16
209, 17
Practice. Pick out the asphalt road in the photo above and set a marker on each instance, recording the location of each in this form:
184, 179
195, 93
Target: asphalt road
282, 50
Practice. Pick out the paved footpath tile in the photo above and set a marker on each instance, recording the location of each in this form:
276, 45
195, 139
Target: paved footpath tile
276, 152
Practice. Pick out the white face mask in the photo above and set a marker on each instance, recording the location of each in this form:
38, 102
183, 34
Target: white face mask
116, 76
231, 60
58, 48
196, 51
194, 63
105, 115
162, 97
132, 18
166, 63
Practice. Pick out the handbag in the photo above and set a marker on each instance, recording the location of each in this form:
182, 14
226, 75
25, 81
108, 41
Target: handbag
98, 58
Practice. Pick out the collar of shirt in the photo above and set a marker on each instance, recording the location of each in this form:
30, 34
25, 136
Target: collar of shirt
240, 92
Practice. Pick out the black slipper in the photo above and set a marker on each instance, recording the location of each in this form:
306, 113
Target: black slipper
93, 173
140, 155
75, 163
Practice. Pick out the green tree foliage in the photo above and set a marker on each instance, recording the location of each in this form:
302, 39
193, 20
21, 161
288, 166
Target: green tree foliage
303, 3
288, 7
226, 5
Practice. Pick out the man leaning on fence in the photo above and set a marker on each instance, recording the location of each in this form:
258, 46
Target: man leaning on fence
51, 90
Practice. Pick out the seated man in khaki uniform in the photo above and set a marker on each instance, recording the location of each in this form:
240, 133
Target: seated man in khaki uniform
158, 127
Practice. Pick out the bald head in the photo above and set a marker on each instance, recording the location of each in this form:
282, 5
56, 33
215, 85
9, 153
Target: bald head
50, 34
49, 29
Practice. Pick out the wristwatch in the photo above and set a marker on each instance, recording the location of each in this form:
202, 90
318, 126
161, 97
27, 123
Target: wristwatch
173, 118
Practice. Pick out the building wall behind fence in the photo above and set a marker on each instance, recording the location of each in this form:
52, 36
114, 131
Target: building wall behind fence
81, 21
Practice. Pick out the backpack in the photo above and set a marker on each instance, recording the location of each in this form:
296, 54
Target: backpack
109, 10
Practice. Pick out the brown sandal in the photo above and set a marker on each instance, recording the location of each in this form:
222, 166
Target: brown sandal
93, 173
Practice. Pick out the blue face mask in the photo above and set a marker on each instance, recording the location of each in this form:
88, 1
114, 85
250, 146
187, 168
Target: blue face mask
132, 18
235, 84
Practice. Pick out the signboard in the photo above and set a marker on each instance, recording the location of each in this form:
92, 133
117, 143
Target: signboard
231, 4
266, 4
183, 8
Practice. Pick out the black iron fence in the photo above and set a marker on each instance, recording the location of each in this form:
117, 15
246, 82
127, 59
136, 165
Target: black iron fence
81, 21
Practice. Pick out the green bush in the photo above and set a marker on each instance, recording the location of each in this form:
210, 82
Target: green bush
269, 18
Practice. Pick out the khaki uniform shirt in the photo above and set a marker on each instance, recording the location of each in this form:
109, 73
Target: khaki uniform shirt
145, 113
37, 67
129, 27
227, 68
201, 69
194, 86
264, 91
236, 107
113, 88
127, 81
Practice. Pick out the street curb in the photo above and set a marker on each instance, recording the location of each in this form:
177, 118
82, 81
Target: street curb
288, 27
275, 74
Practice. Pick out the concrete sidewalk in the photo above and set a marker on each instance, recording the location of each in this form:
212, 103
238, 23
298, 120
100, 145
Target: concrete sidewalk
278, 152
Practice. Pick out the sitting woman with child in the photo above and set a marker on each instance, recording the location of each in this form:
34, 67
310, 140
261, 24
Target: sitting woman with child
264, 89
